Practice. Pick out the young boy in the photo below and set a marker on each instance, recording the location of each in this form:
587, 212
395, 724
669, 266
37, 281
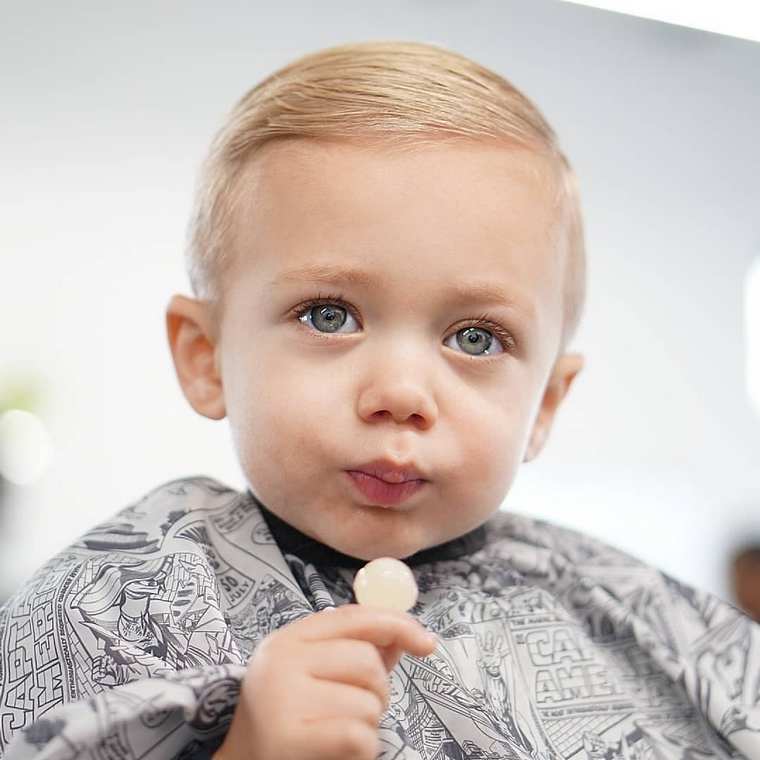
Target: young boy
387, 258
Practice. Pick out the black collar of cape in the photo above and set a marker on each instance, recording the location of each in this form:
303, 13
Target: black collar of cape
290, 540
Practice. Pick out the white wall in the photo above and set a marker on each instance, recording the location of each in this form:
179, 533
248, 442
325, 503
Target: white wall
107, 111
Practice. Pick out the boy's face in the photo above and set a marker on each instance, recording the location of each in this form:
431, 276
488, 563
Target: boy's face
385, 367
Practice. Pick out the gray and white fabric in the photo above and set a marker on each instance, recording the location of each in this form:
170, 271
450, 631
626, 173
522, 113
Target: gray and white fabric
132, 642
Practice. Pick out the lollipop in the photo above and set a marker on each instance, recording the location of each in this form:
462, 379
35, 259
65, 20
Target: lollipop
386, 582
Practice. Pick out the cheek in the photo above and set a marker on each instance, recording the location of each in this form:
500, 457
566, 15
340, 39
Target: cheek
276, 411
491, 438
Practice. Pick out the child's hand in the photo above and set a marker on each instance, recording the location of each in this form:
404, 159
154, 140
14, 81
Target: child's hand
316, 689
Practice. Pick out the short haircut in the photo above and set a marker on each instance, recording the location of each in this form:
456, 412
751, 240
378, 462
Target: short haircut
397, 94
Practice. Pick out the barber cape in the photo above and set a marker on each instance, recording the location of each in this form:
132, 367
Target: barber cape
132, 642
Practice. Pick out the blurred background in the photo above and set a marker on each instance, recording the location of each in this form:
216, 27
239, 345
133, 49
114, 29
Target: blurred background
108, 111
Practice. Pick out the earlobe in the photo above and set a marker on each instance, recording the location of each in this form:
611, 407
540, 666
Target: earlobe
565, 370
193, 349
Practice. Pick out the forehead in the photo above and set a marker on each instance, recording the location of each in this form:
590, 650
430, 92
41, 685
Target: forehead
425, 218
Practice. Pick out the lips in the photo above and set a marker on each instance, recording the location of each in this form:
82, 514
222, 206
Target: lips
389, 471
381, 492
386, 483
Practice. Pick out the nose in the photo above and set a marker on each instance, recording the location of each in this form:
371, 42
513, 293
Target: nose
402, 398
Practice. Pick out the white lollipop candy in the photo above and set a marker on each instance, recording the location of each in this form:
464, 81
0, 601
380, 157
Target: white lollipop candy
386, 582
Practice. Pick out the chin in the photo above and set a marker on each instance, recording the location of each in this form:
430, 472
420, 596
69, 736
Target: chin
368, 542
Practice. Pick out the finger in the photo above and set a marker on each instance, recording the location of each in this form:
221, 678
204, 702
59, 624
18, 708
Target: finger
328, 699
329, 738
350, 661
382, 628
390, 656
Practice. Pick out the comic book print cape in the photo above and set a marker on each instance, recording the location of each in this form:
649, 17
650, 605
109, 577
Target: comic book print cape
132, 643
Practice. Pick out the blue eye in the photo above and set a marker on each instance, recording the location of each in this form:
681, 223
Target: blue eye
476, 341
325, 317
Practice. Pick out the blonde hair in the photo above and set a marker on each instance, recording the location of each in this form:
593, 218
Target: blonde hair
387, 93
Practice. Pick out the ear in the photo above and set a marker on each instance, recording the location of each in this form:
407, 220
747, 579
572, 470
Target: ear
193, 347
564, 372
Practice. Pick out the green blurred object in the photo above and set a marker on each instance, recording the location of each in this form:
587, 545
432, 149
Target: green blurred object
20, 393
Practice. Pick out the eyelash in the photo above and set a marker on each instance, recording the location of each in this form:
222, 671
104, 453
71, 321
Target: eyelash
484, 321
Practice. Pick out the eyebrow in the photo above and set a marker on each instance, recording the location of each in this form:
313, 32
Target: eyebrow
330, 274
